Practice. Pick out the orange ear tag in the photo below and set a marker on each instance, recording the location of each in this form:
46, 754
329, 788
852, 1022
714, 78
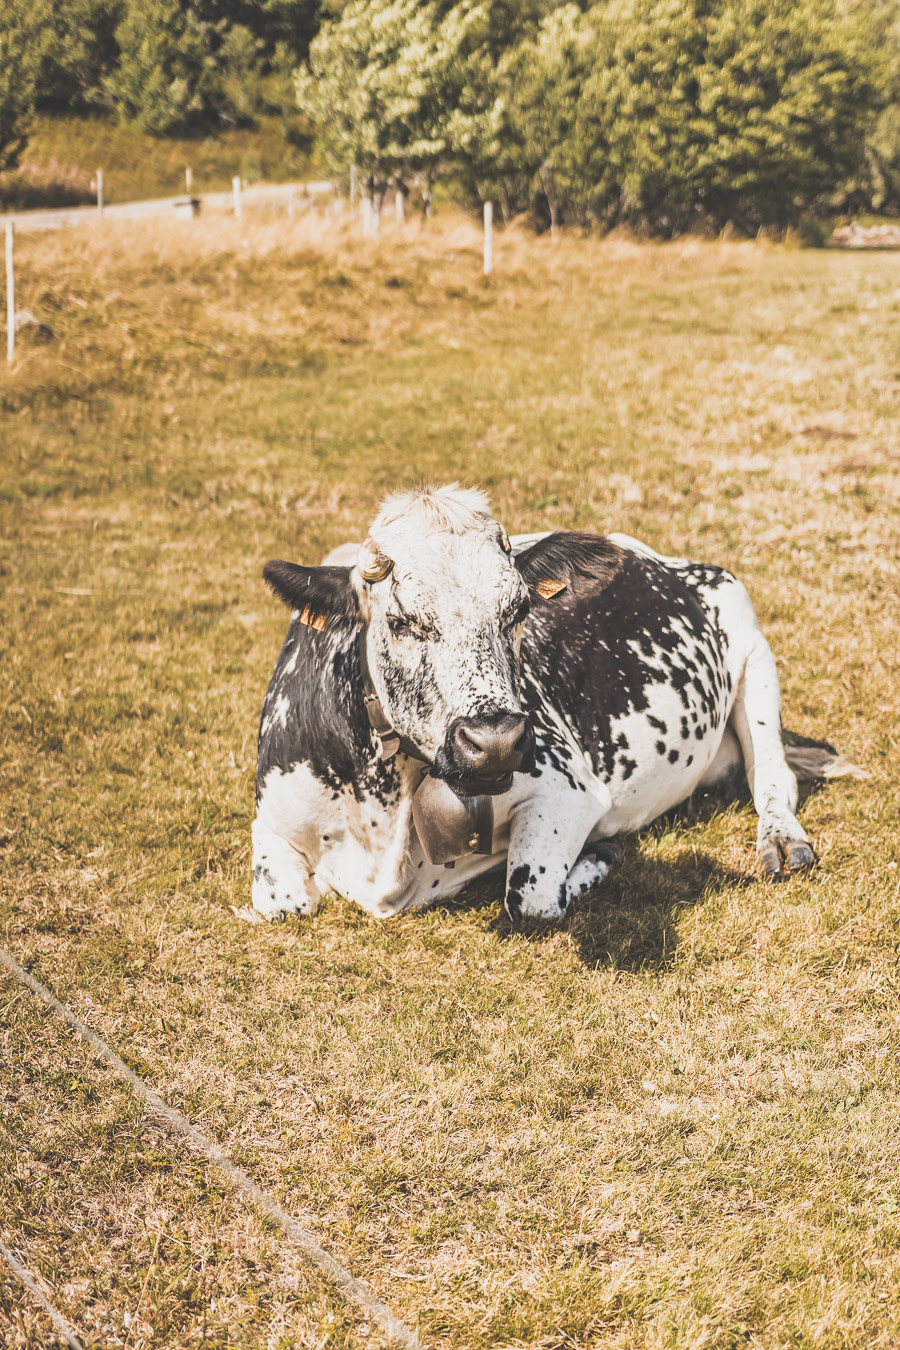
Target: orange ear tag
312, 619
547, 589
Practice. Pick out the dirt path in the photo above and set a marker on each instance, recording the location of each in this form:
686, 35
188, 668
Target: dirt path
263, 194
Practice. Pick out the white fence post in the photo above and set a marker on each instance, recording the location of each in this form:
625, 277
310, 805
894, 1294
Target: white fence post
236, 194
10, 295
398, 207
488, 238
188, 178
100, 192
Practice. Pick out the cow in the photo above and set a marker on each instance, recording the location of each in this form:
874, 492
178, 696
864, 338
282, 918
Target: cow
580, 685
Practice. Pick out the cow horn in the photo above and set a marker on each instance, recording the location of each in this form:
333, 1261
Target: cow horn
372, 563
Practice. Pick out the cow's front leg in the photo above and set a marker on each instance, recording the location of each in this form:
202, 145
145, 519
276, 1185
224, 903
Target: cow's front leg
282, 882
544, 871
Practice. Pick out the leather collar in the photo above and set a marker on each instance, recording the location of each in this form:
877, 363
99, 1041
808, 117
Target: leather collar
389, 740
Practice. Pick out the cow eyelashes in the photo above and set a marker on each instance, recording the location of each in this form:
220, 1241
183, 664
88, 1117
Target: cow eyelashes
518, 615
403, 628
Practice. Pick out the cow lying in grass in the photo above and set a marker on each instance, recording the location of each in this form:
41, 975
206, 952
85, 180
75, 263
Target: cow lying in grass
588, 683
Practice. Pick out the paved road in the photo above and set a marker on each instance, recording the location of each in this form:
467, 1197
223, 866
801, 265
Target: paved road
262, 194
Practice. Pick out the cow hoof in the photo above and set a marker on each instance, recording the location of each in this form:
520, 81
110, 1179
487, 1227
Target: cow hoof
274, 908
778, 856
769, 859
799, 856
276, 897
279, 915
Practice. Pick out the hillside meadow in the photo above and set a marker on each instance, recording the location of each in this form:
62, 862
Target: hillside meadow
674, 1121
62, 156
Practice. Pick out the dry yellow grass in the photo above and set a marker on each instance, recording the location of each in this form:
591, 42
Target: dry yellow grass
671, 1123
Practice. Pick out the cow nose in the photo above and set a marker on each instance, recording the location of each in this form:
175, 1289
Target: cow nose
497, 744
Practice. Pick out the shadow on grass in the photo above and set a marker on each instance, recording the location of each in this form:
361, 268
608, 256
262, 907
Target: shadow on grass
630, 921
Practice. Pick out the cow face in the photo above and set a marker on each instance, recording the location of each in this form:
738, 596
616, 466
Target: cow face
445, 610
441, 604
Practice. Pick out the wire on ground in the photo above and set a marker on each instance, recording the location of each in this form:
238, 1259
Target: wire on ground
352, 1288
62, 1326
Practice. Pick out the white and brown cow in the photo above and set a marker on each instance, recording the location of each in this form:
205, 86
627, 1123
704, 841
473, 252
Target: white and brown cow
598, 682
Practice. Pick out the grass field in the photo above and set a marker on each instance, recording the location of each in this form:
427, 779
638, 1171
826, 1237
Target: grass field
671, 1123
63, 154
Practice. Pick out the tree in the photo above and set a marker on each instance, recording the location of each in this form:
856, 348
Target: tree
240, 74
377, 87
882, 186
164, 79
751, 109
292, 24
544, 78
25, 34
82, 52
664, 113
669, 113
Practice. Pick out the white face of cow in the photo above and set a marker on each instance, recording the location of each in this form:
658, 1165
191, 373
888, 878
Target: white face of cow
445, 607
442, 607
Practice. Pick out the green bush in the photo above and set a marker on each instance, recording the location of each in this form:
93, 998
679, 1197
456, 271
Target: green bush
882, 186
82, 51
168, 66
672, 113
753, 110
536, 152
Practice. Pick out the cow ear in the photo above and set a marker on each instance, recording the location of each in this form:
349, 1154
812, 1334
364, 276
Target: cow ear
556, 561
320, 596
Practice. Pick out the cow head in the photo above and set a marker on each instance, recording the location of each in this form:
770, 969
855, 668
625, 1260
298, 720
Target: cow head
445, 608
444, 605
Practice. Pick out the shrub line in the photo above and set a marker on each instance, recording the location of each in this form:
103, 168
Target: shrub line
352, 1288
62, 1326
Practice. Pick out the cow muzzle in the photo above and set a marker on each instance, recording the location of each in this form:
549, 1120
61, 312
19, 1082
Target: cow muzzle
487, 750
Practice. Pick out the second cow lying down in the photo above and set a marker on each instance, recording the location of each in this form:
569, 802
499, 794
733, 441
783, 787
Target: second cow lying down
584, 685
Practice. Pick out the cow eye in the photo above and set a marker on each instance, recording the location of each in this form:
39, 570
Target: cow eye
519, 614
400, 627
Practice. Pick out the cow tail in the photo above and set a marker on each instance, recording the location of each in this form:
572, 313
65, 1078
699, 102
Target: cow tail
817, 760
